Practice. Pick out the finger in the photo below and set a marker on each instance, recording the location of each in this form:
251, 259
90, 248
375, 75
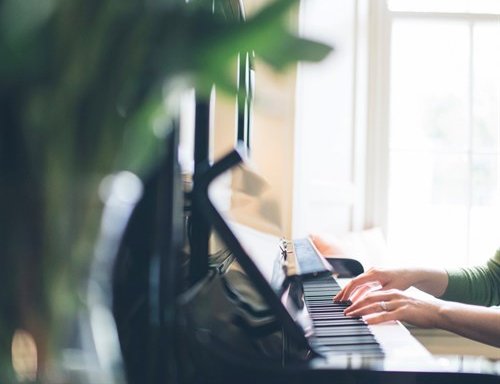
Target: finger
359, 293
342, 294
363, 290
366, 310
383, 317
346, 292
374, 297
384, 295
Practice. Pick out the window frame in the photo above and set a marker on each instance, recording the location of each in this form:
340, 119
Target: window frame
378, 126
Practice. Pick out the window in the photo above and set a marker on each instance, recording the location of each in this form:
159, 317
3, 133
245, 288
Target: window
443, 200
399, 128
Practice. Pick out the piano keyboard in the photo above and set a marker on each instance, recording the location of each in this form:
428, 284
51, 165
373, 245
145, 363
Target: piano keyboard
333, 331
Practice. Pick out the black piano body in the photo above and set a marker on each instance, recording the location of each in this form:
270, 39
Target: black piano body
220, 330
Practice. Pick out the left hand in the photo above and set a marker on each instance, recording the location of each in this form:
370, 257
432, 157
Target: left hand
393, 304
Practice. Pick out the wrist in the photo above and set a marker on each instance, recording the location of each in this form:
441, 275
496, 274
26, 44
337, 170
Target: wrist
442, 314
432, 281
415, 277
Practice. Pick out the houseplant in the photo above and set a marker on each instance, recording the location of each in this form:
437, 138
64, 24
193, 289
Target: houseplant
82, 85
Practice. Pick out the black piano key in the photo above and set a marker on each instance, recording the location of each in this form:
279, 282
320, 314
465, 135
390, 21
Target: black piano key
340, 323
374, 346
348, 340
365, 350
327, 298
331, 316
326, 309
320, 309
319, 305
325, 287
319, 313
329, 294
321, 290
323, 315
337, 322
331, 304
328, 284
328, 304
320, 287
320, 301
336, 331
333, 311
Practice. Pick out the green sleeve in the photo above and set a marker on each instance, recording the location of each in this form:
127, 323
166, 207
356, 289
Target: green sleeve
475, 285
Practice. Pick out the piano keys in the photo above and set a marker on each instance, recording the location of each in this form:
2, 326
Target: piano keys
333, 331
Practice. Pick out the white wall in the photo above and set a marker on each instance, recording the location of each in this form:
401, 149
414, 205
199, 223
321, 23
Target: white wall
309, 129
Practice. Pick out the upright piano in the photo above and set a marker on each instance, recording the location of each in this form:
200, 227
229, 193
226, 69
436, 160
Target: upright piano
240, 322
264, 312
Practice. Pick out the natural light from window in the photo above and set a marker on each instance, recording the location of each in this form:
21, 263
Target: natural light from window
446, 6
443, 205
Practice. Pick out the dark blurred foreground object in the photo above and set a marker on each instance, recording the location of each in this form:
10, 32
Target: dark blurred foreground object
82, 90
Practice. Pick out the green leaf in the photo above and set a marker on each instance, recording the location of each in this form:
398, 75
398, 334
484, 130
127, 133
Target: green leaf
292, 49
266, 34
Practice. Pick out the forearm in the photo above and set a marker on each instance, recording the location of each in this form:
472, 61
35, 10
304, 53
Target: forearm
474, 322
432, 281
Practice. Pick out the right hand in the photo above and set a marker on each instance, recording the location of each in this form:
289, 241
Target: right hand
376, 279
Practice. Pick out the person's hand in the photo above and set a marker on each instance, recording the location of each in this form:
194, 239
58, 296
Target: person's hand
430, 280
382, 306
376, 279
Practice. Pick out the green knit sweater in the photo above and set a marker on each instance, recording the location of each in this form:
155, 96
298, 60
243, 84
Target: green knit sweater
475, 285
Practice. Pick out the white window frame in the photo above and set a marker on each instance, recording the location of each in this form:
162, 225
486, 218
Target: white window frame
377, 136
377, 133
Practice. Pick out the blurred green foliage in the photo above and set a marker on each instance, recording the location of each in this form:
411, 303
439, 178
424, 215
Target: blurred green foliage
82, 84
